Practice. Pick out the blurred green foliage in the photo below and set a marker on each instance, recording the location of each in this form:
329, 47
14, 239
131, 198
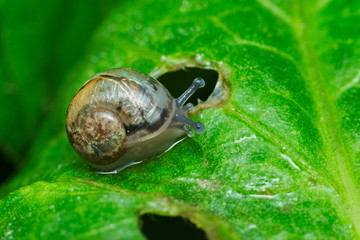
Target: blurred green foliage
40, 41
278, 160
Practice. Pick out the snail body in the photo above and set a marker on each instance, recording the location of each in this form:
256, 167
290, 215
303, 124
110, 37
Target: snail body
121, 116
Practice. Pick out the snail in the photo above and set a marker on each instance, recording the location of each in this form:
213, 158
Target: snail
121, 117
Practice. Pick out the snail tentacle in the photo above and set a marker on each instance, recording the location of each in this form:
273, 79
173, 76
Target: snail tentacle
122, 116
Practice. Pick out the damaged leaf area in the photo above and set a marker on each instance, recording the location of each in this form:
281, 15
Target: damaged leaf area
71, 206
279, 158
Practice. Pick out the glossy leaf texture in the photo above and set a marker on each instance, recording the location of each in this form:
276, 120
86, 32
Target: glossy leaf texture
279, 159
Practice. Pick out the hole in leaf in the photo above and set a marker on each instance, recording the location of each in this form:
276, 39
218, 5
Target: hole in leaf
163, 227
178, 81
6, 168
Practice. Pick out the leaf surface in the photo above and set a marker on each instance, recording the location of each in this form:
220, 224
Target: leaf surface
278, 160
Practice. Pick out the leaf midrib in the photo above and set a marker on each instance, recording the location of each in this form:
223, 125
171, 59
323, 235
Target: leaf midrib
303, 27
328, 124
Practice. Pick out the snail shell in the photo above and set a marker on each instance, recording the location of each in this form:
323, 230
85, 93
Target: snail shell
122, 116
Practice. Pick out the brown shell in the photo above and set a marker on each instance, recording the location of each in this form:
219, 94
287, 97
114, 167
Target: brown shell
115, 111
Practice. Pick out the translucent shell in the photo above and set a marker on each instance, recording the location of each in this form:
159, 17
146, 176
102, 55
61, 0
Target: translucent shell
121, 116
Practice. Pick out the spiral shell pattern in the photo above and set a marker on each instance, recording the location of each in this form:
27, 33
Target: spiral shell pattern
114, 111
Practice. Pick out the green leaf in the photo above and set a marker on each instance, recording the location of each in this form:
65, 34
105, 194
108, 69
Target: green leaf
37, 46
279, 159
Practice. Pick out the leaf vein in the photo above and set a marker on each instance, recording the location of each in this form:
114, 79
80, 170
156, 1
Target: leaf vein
240, 41
266, 134
352, 83
276, 11
328, 124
